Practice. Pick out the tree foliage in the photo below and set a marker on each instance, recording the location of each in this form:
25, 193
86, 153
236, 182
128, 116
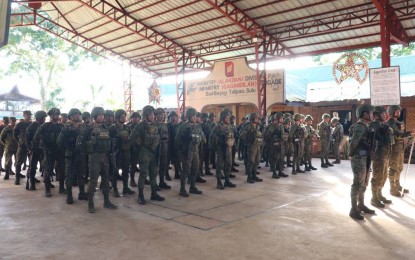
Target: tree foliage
44, 57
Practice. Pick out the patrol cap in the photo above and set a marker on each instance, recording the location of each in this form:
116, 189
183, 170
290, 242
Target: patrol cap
224, 114
97, 111
54, 111
172, 114
147, 110
252, 116
27, 112
277, 116
159, 111
190, 112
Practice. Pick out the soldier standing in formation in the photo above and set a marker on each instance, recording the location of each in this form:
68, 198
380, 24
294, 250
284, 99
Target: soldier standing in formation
6, 122
46, 138
96, 137
397, 153
380, 156
360, 147
337, 138
212, 124
188, 139
172, 126
35, 153
308, 143
75, 163
288, 147
146, 136
163, 149
10, 148
221, 140
135, 118
275, 142
19, 134
324, 132
200, 173
253, 140
207, 130
296, 137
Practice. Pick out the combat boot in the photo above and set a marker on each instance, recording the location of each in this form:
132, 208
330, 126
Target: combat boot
115, 192
127, 191
32, 185
193, 188
82, 195
328, 163
362, 207
381, 198
107, 202
219, 184
155, 196
183, 191
306, 168
164, 186
400, 188
354, 212
393, 190
282, 174
323, 165
311, 166
141, 199
232, 175
200, 179
47, 190
208, 172
6, 176
17, 181
228, 183
91, 207
275, 175
299, 169
294, 172
132, 182
375, 201
62, 187
257, 179
69, 198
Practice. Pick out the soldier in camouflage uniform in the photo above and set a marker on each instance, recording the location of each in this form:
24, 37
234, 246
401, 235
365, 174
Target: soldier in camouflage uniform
324, 131
397, 153
360, 153
295, 137
86, 118
199, 175
337, 138
380, 156
212, 124
75, 162
221, 140
274, 141
163, 150
10, 148
46, 138
147, 137
239, 142
172, 125
6, 122
109, 118
308, 143
288, 147
235, 134
188, 139
97, 140
122, 151
19, 134
134, 120
253, 140
207, 130
35, 153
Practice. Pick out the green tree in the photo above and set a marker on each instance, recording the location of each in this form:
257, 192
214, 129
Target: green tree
44, 57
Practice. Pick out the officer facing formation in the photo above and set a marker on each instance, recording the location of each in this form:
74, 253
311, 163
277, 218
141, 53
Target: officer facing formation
188, 139
221, 140
75, 162
147, 137
397, 153
324, 132
19, 134
380, 156
10, 148
360, 149
96, 137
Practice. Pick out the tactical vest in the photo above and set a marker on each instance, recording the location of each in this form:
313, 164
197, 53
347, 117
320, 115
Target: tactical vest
164, 132
100, 141
151, 137
365, 141
258, 138
122, 134
196, 135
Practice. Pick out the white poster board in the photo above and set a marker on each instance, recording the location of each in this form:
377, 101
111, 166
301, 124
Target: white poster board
385, 87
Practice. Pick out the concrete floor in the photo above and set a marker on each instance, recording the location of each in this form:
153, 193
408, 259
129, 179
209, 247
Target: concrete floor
299, 217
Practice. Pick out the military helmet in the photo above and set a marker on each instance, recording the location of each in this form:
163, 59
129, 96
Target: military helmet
297, 117
147, 110
224, 114
190, 112
74, 111
6, 119
252, 116
172, 114
379, 109
205, 115
135, 114
335, 120
211, 114
109, 112
277, 116
287, 115
97, 111
40, 114
85, 115
198, 114
324, 116
54, 111
308, 118
118, 113
159, 111
287, 121
363, 108
392, 109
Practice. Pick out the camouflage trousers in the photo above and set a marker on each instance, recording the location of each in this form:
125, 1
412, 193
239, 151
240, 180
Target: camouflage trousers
98, 164
275, 158
223, 162
190, 163
253, 153
163, 163
75, 168
396, 161
20, 157
9, 160
49, 160
123, 162
379, 172
308, 151
148, 167
360, 176
336, 150
1, 154
34, 158
325, 147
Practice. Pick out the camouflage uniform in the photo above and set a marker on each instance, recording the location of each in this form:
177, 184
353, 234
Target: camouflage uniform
163, 149
274, 141
173, 157
360, 153
337, 138
96, 138
75, 163
241, 145
19, 134
147, 137
207, 130
253, 139
288, 145
46, 138
212, 124
35, 153
135, 119
221, 140
308, 143
6, 121
324, 131
296, 137
10, 148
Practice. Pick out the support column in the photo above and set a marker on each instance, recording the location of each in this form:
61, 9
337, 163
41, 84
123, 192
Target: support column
180, 86
261, 77
385, 39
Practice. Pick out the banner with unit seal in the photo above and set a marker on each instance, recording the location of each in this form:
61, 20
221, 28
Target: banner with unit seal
231, 82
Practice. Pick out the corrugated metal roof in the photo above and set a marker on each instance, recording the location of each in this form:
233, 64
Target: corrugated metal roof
139, 29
